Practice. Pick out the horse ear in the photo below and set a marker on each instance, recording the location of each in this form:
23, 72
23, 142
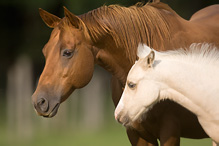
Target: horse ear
146, 53
150, 58
50, 19
143, 50
73, 19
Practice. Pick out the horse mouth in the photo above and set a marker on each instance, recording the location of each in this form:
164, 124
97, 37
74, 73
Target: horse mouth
53, 112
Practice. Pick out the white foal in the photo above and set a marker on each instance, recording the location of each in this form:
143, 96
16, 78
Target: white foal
190, 78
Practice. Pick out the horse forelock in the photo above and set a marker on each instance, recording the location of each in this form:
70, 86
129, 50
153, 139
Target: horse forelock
129, 25
66, 25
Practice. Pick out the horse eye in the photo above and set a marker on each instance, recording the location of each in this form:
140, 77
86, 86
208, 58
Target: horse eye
131, 85
67, 53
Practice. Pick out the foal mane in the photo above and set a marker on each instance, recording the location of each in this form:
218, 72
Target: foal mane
129, 25
198, 53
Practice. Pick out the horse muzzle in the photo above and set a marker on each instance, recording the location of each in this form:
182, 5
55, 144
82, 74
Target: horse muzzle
44, 107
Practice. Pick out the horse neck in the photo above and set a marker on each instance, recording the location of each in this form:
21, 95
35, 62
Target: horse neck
112, 58
117, 55
118, 58
194, 88
186, 84
180, 31
205, 110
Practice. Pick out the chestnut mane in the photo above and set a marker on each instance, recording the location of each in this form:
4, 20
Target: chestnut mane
129, 25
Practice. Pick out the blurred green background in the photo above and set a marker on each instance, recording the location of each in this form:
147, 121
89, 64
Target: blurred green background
86, 118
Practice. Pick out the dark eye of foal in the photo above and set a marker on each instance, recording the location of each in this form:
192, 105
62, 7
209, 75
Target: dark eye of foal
67, 53
131, 85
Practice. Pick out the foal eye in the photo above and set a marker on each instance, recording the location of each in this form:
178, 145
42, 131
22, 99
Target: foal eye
131, 85
67, 53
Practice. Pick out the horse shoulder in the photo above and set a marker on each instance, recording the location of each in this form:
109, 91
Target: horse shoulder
208, 15
203, 26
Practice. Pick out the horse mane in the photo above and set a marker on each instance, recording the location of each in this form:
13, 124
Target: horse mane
128, 26
197, 53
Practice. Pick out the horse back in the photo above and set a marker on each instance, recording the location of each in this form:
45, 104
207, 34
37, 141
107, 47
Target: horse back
207, 16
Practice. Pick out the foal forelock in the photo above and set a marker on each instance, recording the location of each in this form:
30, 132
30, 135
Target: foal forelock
129, 25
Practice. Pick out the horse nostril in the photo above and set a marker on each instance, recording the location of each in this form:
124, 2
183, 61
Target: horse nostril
117, 117
43, 105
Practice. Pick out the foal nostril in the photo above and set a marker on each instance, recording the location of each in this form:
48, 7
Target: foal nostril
117, 117
43, 105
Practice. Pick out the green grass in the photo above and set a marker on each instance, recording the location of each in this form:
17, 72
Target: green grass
113, 135
100, 138
196, 142
105, 137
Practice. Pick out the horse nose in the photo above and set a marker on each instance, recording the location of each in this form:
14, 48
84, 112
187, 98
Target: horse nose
117, 114
119, 118
43, 104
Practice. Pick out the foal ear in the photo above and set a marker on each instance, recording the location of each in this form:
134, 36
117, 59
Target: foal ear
73, 19
50, 19
143, 50
150, 58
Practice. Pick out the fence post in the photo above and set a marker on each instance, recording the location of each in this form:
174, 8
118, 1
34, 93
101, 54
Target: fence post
19, 91
93, 97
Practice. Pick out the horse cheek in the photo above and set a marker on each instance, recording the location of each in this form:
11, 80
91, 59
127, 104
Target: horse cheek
83, 72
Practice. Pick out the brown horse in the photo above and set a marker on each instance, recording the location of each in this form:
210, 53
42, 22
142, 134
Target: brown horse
109, 36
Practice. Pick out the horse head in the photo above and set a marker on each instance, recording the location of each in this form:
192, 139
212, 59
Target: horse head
140, 92
69, 62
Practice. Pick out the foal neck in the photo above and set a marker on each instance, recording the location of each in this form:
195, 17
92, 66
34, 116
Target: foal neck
196, 91
190, 85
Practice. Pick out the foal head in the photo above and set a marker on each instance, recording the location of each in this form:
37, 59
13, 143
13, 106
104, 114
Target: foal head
69, 62
141, 92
